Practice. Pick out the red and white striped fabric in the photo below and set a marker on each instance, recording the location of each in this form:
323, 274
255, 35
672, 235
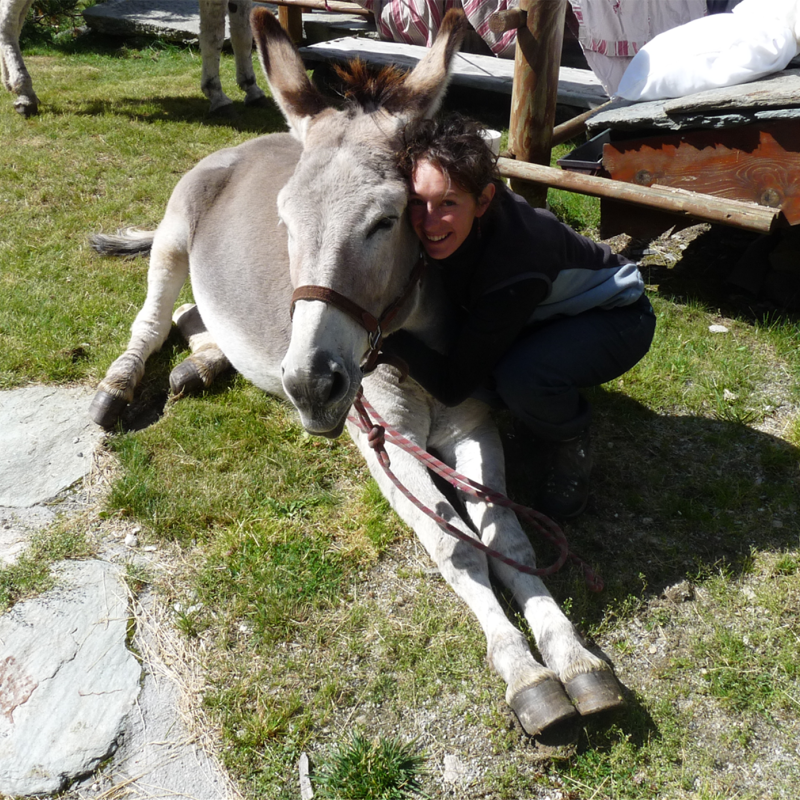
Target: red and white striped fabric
418, 21
611, 32
620, 28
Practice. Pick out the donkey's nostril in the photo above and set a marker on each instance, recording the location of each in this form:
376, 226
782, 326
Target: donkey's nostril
339, 385
314, 387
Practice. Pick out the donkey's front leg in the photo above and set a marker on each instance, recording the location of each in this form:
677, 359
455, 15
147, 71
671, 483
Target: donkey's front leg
212, 37
207, 361
466, 570
588, 680
242, 43
16, 77
169, 268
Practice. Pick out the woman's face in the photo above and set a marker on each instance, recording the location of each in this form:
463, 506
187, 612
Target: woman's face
442, 212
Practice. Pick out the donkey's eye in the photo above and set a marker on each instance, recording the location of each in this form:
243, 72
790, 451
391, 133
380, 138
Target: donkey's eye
383, 224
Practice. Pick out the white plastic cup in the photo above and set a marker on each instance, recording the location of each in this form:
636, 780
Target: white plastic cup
492, 138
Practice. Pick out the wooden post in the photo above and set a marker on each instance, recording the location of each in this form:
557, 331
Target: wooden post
291, 19
535, 89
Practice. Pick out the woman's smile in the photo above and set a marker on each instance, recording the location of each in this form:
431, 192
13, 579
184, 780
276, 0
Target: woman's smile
441, 212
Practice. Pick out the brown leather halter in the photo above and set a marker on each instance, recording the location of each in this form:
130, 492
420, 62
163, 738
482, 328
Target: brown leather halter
372, 325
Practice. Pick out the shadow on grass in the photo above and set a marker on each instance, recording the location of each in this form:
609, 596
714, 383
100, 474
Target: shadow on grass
673, 497
729, 269
246, 119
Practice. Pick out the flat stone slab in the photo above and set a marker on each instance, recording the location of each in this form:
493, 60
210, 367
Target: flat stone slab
46, 442
179, 20
67, 679
159, 756
176, 20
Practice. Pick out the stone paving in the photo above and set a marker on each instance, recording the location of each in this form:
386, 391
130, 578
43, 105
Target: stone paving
79, 712
73, 696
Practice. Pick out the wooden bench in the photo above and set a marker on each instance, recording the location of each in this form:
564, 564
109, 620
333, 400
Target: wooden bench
576, 87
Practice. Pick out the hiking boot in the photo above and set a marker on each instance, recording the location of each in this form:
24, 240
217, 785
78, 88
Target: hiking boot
566, 487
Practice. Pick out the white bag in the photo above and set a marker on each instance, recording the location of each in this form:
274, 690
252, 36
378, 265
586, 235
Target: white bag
715, 51
788, 11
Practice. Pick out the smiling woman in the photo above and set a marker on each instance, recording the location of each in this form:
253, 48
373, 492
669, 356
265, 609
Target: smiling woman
544, 311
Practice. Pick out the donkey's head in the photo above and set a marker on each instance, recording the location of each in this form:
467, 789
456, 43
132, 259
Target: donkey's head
344, 212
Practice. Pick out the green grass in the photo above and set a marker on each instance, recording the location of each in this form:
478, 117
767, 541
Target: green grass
359, 769
311, 606
30, 574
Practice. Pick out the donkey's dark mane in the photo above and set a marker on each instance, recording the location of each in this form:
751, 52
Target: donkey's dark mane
368, 88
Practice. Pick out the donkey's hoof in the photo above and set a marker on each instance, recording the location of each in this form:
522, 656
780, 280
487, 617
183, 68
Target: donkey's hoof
26, 108
593, 692
542, 706
186, 379
106, 408
262, 101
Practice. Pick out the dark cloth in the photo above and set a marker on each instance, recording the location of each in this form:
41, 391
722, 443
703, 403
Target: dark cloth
540, 377
518, 262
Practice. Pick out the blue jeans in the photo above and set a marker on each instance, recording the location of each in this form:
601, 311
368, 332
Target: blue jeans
540, 376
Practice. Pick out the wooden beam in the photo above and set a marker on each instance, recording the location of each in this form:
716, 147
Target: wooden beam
321, 5
575, 126
291, 20
535, 89
502, 21
750, 163
749, 216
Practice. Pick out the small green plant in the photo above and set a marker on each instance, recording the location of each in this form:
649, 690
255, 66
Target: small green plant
381, 769
31, 573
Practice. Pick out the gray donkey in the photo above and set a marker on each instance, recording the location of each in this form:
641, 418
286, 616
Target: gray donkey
323, 211
17, 79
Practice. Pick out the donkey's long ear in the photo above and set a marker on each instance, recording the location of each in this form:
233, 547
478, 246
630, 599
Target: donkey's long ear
297, 97
426, 84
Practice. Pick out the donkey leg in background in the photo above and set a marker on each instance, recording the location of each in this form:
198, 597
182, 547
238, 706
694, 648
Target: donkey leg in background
15, 76
212, 37
242, 43
588, 680
462, 566
207, 361
169, 268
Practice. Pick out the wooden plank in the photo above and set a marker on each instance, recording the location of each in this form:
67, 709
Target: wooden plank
324, 5
749, 216
576, 87
758, 164
781, 90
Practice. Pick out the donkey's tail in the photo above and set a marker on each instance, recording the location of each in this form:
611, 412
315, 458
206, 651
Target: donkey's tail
128, 243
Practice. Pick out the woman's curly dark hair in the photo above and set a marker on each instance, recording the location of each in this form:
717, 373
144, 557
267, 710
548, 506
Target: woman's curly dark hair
455, 145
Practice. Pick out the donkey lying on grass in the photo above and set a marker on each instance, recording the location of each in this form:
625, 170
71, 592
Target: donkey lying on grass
212, 35
332, 190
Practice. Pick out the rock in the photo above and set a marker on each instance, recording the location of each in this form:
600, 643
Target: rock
47, 437
68, 680
455, 770
159, 756
178, 21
